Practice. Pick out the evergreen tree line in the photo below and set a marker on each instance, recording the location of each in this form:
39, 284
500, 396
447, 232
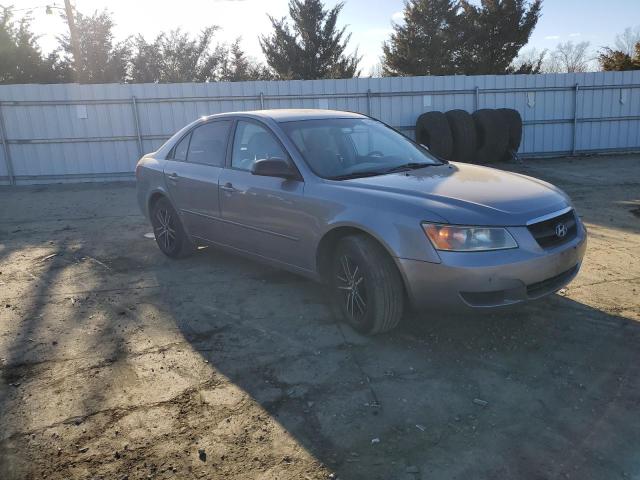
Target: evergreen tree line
436, 37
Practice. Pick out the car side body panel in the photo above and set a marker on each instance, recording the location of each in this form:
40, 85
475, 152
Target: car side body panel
392, 221
194, 190
150, 181
267, 215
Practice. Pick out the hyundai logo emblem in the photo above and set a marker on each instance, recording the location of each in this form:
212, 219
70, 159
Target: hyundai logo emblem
561, 230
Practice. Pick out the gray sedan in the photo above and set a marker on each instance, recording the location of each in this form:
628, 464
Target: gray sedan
346, 200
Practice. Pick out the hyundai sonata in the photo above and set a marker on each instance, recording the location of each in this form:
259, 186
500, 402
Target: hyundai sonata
344, 199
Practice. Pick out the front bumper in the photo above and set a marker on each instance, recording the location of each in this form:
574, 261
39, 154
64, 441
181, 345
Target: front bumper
469, 280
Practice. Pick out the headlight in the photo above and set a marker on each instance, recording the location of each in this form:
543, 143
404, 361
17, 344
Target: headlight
468, 239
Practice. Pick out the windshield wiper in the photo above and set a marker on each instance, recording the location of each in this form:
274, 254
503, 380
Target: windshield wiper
372, 173
348, 176
409, 166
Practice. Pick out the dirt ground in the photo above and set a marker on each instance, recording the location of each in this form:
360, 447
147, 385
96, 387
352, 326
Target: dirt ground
118, 363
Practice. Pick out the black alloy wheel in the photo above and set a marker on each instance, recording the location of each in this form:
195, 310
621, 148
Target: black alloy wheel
351, 283
366, 284
168, 231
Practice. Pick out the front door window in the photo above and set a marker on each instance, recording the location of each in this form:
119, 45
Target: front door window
253, 142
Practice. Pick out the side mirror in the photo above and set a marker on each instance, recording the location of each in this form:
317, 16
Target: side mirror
274, 167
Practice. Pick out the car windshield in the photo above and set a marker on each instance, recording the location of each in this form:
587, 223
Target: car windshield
342, 148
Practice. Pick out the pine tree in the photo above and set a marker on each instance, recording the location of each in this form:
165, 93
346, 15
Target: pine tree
21, 60
426, 43
101, 59
446, 37
237, 67
146, 61
494, 32
313, 47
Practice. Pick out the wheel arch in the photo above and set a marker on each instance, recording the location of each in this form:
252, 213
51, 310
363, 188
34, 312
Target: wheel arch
154, 196
330, 239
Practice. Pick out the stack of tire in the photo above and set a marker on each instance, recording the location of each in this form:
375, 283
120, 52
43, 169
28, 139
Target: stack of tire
485, 136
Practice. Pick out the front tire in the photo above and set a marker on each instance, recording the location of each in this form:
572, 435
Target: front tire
168, 231
366, 285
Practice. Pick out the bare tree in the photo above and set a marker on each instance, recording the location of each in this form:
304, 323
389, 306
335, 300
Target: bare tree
626, 41
528, 61
570, 57
376, 70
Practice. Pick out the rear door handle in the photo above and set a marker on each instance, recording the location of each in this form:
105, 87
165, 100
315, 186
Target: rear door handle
173, 177
228, 187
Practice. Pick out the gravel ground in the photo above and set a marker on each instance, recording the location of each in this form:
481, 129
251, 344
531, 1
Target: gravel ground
116, 362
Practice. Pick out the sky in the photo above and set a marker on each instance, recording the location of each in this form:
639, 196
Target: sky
369, 21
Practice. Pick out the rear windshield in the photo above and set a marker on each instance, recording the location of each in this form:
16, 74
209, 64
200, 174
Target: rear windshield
340, 147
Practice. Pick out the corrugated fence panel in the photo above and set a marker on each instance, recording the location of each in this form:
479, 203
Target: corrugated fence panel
4, 174
83, 132
614, 101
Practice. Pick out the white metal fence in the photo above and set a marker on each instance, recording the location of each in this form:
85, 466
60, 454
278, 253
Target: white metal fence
75, 132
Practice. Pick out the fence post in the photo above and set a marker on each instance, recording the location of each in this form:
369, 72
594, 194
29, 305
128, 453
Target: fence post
369, 101
477, 98
261, 101
134, 107
575, 119
7, 153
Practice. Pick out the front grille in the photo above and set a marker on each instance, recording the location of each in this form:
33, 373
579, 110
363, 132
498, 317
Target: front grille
551, 284
545, 232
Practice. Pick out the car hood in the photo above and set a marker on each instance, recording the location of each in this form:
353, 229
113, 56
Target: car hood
472, 194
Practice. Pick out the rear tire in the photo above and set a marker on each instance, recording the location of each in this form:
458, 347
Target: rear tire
366, 285
432, 130
463, 132
168, 231
492, 134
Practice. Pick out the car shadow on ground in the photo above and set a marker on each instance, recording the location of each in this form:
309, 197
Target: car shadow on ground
540, 391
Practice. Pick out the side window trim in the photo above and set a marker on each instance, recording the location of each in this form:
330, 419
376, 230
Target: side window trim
225, 119
172, 152
232, 138
268, 130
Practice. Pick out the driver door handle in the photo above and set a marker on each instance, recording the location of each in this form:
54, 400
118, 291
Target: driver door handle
228, 187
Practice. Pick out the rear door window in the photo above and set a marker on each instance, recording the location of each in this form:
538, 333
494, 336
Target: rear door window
208, 144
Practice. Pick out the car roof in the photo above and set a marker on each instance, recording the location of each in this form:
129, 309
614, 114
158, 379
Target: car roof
292, 114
